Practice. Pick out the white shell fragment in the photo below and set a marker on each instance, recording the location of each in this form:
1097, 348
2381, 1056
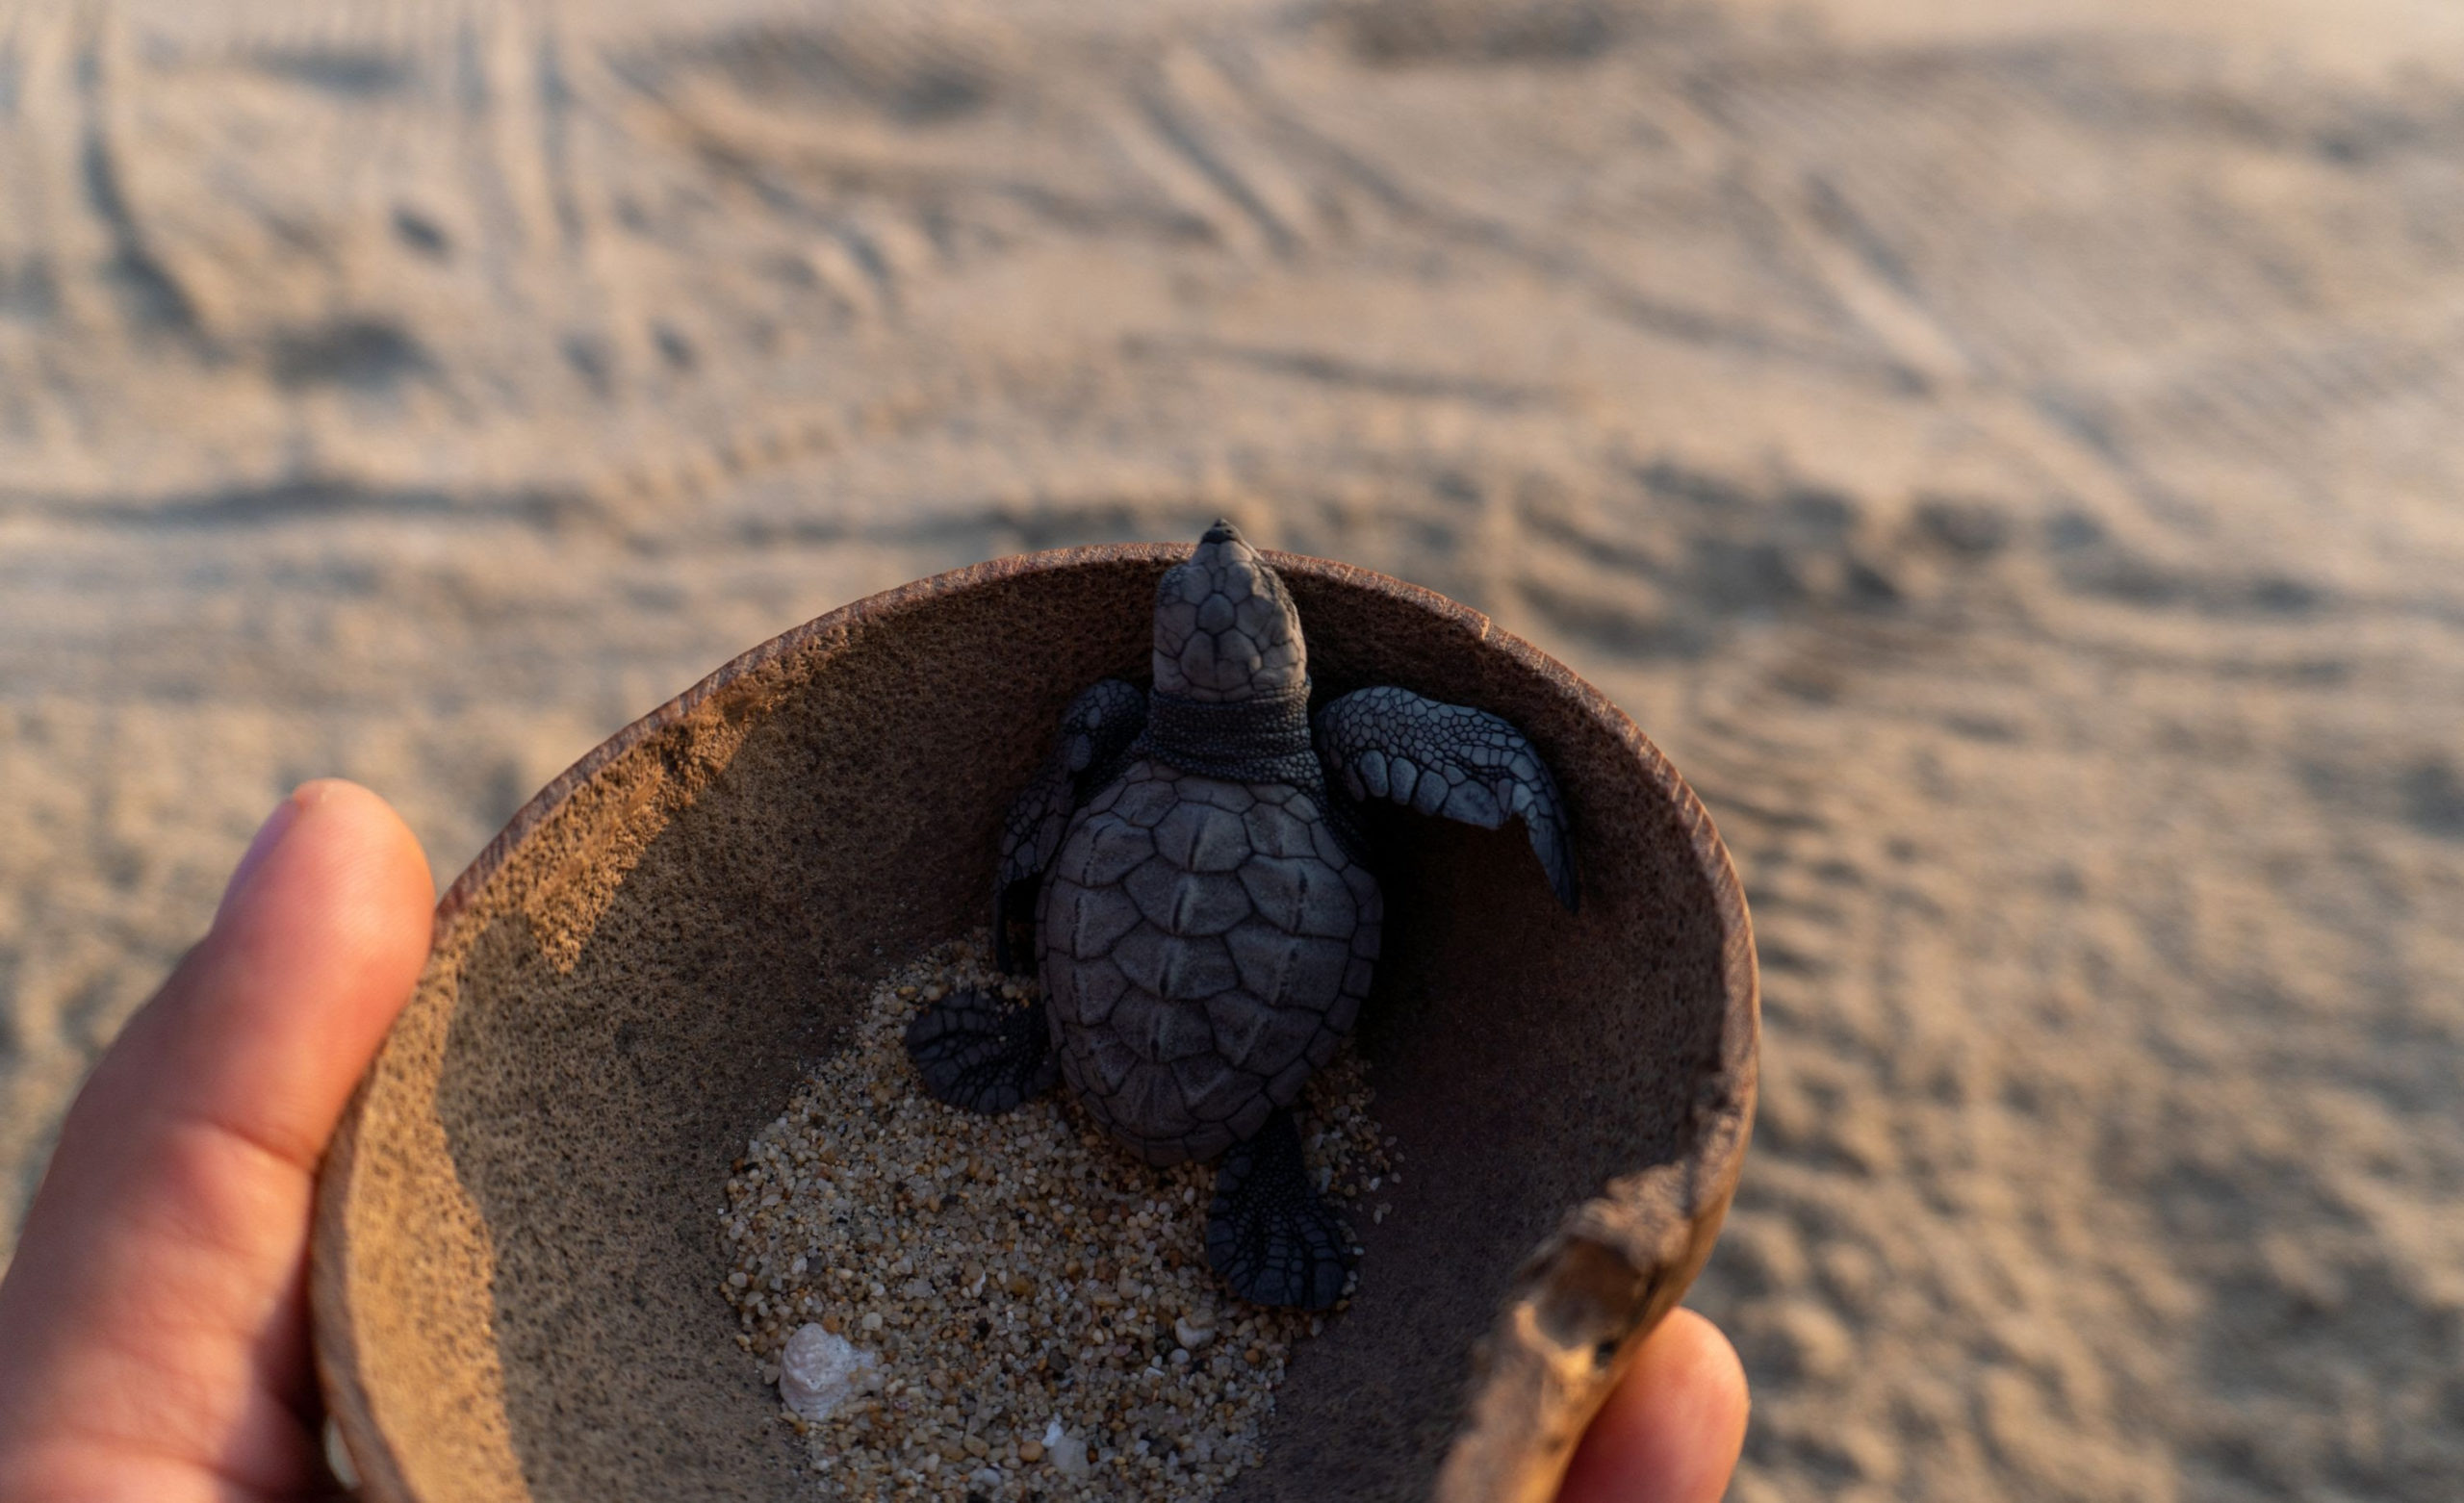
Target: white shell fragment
1195, 1328
819, 1372
1068, 1452
338, 1456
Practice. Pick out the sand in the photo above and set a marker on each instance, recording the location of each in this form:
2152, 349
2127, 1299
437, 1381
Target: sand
2009, 464
993, 1282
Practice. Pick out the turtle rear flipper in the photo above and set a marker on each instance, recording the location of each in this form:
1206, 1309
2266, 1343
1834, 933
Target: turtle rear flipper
979, 1055
1097, 730
1448, 759
1268, 1235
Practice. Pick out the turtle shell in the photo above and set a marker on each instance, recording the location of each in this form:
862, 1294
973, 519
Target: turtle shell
1205, 945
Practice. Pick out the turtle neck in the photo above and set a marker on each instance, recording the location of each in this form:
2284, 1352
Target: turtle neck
1260, 740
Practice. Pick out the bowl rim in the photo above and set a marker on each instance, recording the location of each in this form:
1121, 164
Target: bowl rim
1724, 1104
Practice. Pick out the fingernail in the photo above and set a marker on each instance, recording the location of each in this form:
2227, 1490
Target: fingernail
261, 846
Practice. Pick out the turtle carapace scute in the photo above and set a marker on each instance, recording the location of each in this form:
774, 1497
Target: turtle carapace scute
1204, 914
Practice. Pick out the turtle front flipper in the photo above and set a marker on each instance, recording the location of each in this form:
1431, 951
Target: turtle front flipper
1448, 759
1097, 730
1268, 1235
981, 1054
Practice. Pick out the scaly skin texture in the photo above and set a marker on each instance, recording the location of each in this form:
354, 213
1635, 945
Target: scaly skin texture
1205, 931
1206, 945
1224, 629
1098, 726
1448, 759
1096, 730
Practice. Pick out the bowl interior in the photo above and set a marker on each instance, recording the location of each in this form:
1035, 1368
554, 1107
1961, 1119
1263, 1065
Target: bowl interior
518, 1259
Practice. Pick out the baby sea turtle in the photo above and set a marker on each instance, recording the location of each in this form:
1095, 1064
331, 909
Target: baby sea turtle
1204, 916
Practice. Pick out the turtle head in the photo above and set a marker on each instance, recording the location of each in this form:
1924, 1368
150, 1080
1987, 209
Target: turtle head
1224, 629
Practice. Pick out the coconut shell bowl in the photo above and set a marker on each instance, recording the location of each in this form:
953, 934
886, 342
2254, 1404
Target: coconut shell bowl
517, 1268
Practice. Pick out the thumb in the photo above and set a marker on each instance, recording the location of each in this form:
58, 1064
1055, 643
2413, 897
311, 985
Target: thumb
1671, 1432
154, 1309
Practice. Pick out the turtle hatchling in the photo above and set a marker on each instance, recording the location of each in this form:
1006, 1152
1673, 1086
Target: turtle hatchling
1205, 916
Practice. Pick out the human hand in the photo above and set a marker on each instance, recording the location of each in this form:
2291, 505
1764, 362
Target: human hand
154, 1325
1671, 1432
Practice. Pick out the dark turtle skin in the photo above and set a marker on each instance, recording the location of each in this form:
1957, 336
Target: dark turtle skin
1205, 918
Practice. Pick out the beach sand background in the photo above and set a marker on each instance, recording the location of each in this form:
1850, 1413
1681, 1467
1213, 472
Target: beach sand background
2008, 457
